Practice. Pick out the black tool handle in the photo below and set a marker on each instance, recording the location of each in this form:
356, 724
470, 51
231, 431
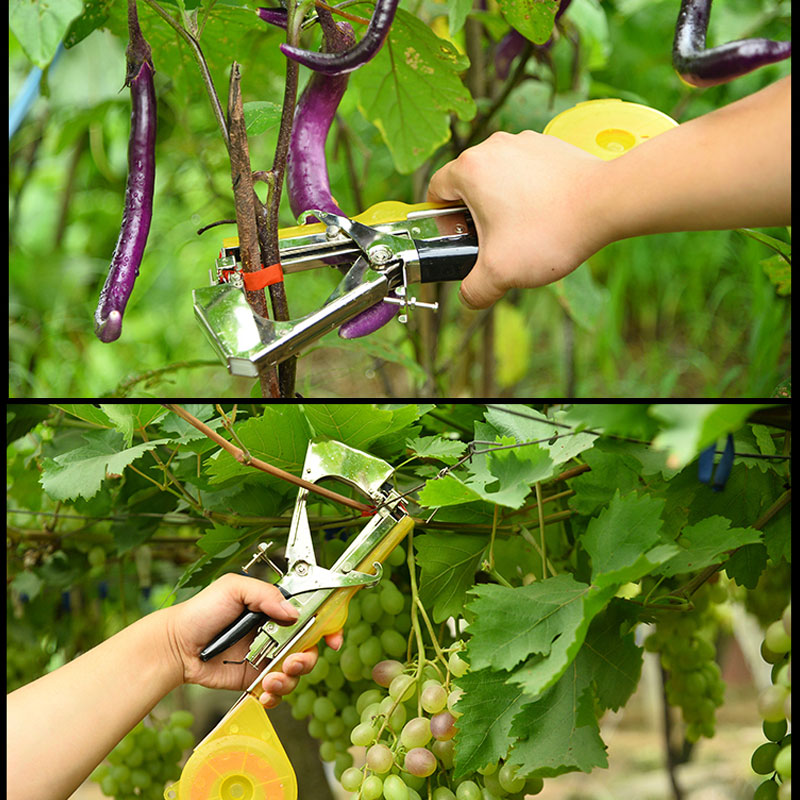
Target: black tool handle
448, 259
241, 626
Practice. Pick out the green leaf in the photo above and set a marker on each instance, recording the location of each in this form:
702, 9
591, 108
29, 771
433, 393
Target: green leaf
354, 424
219, 539
558, 733
85, 411
511, 325
446, 491
445, 450
783, 249
692, 426
81, 472
538, 674
279, 437
620, 538
95, 13
261, 116
41, 24
535, 619
130, 417
458, 11
614, 660
779, 274
409, 90
448, 563
488, 707
609, 471
532, 18
707, 543
586, 301
534, 426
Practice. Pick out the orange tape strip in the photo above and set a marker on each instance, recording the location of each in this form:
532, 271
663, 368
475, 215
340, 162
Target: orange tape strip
266, 276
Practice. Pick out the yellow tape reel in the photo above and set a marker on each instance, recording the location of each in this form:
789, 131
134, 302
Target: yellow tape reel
608, 128
242, 759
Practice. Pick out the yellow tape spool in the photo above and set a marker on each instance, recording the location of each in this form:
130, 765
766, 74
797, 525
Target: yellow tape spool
242, 760
608, 128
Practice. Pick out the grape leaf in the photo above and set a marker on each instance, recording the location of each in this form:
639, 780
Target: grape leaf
614, 660
538, 673
446, 491
558, 733
448, 563
691, 427
535, 619
488, 707
409, 89
608, 471
620, 538
707, 543
436, 447
279, 437
81, 472
354, 424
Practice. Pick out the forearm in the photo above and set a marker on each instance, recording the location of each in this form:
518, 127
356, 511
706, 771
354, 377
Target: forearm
727, 169
62, 725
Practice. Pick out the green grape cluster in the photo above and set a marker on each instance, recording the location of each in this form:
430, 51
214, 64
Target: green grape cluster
774, 757
377, 628
141, 764
406, 727
685, 641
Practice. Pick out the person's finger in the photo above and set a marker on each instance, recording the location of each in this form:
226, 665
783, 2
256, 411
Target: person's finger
442, 188
335, 640
262, 596
479, 289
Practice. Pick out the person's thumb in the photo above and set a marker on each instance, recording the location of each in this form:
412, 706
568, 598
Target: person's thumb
478, 290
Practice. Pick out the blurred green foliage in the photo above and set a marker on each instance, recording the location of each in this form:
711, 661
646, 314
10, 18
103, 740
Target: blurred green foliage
681, 315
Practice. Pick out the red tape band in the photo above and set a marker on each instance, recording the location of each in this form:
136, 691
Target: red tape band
266, 276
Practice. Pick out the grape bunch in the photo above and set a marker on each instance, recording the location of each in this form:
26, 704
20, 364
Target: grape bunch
407, 727
685, 641
139, 766
377, 626
774, 757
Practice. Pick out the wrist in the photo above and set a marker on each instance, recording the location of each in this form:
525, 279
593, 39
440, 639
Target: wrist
168, 649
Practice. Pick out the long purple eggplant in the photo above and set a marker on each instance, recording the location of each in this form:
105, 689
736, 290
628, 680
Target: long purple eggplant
700, 67
307, 181
356, 56
138, 211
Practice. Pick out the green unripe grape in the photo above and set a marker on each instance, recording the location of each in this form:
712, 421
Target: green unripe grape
534, 785
785, 791
775, 731
351, 779
166, 741
766, 791
181, 719
443, 793
457, 665
109, 786
350, 663
783, 762
359, 633
141, 778
770, 703
416, 733
397, 557
434, 697
776, 638
367, 699
363, 734
370, 651
371, 608
380, 758
372, 788
392, 600
324, 710
394, 788
468, 790
97, 556
509, 780
402, 687
394, 643
184, 739
763, 760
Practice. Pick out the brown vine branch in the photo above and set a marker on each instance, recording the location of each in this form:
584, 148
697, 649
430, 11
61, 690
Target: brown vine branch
240, 456
243, 195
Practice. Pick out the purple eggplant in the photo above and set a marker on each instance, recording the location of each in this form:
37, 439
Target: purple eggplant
307, 179
700, 67
138, 211
274, 16
357, 55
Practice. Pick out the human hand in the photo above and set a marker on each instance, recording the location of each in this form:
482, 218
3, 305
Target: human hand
530, 197
194, 623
